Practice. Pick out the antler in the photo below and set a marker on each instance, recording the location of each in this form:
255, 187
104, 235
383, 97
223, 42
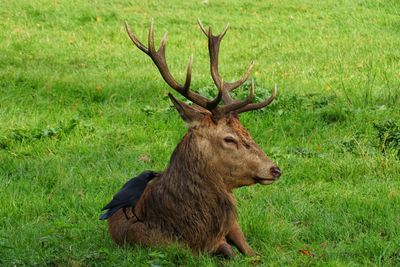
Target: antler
159, 60
213, 48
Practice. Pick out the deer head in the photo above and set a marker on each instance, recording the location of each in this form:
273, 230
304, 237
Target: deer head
215, 130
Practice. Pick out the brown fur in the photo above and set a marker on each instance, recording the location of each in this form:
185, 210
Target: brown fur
192, 202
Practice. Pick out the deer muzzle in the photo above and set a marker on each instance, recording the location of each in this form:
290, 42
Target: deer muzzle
273, 174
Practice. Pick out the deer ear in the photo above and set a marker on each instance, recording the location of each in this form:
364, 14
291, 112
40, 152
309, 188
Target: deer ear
188, 113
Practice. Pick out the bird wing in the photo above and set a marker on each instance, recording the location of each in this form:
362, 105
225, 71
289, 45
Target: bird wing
129, 194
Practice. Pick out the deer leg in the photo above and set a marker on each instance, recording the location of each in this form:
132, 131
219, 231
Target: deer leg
236, 238
225, 250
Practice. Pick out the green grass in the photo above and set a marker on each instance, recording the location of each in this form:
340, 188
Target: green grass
82, 110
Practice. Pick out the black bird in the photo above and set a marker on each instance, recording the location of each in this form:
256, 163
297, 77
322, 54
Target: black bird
129, 194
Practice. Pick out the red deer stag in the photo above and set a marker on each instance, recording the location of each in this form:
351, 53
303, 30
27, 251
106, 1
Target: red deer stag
191, 202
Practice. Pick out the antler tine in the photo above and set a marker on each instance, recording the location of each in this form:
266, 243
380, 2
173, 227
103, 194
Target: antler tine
202, 27
260, 105
163, 43
159, 60
222, 34
244, 78
151, 37
188, 75
135, 40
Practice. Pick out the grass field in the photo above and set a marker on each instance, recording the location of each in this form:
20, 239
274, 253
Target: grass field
82, 110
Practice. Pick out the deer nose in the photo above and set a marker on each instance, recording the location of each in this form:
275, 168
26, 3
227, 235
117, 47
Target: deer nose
276, 172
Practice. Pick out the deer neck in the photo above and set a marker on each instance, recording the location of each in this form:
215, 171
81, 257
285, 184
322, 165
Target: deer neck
188, 166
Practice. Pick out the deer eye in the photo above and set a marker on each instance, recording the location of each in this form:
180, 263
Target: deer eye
230, 140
